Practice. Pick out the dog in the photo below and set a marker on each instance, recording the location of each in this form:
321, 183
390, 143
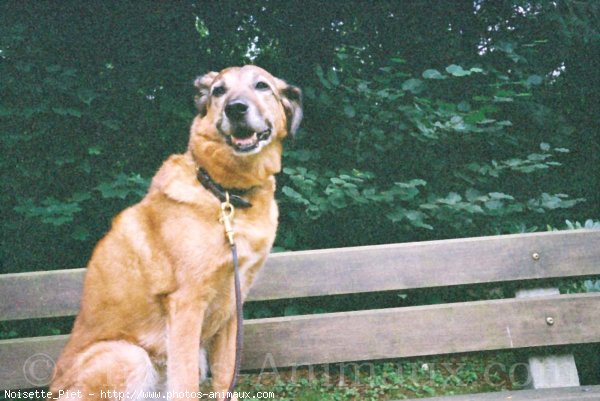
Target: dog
158, 290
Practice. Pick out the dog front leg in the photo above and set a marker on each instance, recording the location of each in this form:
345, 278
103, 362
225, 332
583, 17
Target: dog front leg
221, 354
184, 324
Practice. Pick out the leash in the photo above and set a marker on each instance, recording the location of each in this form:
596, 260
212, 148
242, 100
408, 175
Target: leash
227, 213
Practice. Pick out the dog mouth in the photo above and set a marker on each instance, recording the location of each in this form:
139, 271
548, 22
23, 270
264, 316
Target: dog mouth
248, 142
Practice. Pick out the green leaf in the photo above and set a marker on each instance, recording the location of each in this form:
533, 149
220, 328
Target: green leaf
413, 85
457, 70
111, 124
473, 208
396, 215
534, 80
349, 111
472, 194
411, 184
301, 155
201, 28
416, 219
294, 195
51, 211
514, 162
86, 95
80, 233
550, 201
332, 77
67, 111
362, 86
452, 199
408, 193
494, 204
108, 191
95, 150
78, 197
500, 195
463, 106
123, 185
321, 76
537, 157
475, 117
507, 47
338, 200
433, 74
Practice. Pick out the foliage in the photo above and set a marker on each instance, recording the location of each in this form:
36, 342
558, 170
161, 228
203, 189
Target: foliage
79, 144
391, 380
454, 118
467, 118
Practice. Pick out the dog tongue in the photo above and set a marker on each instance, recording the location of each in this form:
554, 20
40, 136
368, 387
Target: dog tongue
244, 141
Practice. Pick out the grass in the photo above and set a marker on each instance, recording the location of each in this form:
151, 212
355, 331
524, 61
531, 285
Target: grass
391, 380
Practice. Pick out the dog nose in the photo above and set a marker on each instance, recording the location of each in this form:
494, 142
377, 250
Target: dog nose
236, 109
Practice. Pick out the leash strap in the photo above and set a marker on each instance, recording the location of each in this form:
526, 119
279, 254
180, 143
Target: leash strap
239, 334
227, 213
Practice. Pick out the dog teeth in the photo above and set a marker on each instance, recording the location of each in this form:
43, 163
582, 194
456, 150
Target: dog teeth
246, 141
250, 142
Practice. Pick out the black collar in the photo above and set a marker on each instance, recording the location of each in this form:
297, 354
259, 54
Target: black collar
235, 194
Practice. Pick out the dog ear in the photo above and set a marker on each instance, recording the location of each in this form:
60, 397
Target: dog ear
292, 103
203, 84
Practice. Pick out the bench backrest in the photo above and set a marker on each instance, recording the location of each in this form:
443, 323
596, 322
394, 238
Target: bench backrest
367, 334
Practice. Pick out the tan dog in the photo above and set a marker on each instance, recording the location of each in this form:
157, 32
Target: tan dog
159, 285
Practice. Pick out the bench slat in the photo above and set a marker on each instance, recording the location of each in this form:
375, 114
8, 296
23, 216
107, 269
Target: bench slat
377, 334
422, 330
40, 294
429, 264
354, 270
583, 393
28, 362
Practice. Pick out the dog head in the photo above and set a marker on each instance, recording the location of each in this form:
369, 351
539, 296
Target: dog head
248, 107
244, 114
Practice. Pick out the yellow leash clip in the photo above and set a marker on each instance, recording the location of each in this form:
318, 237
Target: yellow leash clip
227, 213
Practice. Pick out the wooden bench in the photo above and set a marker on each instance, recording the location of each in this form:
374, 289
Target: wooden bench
534, 320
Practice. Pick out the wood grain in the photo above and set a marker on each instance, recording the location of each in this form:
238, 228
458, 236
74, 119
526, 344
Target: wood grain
40, 294
354, 270
375, 334
429, 264
421, 330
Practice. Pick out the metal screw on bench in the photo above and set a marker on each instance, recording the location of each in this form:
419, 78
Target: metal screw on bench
535, 256
549, 320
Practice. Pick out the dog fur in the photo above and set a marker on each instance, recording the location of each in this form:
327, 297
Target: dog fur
159, 285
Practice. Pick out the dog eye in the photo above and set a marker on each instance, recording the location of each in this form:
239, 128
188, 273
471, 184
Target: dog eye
218, 91
261, 86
